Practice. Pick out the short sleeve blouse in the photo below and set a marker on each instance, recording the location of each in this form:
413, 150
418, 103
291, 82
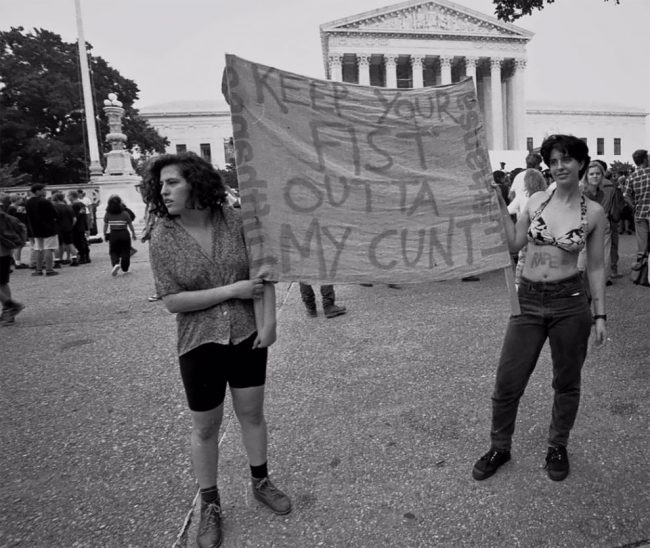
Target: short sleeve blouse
180, 264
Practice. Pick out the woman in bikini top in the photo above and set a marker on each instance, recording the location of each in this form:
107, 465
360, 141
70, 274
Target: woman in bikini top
572, 241
557, 227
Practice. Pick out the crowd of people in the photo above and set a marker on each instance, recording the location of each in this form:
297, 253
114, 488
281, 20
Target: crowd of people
55, 232
562, 225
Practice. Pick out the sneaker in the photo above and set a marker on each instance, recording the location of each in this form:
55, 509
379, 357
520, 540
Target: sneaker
311, 312
115, 270
557, 463
331, 311
271, 496
12, 311
74, 262
489, 463
51, 273
210, 535
6, 318
20, 266
57, 265
153, 298
37, 273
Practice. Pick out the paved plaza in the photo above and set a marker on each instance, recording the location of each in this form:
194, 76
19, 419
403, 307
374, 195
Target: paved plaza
375, 421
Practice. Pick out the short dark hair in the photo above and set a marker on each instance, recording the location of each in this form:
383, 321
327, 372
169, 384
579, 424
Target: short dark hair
533, 160
36, 187
499, 176
207, 187
569, 145
640, 156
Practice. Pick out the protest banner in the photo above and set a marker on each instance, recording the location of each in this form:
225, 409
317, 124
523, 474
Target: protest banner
342, 183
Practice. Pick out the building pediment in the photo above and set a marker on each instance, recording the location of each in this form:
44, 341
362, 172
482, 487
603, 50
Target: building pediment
433, 17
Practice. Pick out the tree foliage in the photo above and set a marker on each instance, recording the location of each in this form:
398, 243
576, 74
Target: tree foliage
41, 108
511, 10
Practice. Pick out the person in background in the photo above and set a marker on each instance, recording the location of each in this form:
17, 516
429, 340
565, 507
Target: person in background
226, 322
65, 217
533, 161
80, 230
553, 303
626, 226
330, 309
117, 225
613, 203
42, 219
17, 209
638, 192
10, 307
534, 182
593, 189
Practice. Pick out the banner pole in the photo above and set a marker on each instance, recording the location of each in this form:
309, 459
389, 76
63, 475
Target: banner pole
512, 291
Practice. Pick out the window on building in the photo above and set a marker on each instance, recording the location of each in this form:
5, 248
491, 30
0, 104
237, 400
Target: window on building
181, 148
617, 146
229, 151
404, 73
600, 146
350, 69
529, 144
206, 153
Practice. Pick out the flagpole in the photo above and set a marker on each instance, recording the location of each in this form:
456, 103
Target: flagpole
95, 165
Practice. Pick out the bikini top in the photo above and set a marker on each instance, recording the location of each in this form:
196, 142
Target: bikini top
573, 241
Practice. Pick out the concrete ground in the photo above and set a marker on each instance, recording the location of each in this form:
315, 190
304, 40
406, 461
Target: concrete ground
375, 420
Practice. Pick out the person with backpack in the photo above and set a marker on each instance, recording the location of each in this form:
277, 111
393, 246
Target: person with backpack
13, 234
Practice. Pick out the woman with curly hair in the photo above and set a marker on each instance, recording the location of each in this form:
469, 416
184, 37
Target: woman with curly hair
226, 321
117, 224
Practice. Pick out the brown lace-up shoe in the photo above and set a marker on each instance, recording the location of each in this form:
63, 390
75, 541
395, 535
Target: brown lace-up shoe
210, 535
271, 496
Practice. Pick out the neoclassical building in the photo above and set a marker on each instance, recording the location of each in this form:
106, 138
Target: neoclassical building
432, 43
424, 43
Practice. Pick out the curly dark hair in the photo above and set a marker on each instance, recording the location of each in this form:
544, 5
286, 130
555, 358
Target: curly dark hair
114, 204
207, 188
569, 145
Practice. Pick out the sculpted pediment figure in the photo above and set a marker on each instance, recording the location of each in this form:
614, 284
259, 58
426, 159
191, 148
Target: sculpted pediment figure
428, 17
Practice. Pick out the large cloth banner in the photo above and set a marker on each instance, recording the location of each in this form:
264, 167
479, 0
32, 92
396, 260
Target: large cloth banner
342, 183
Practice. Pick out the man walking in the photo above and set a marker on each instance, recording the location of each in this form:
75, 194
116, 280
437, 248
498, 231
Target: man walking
42, 219
638, 192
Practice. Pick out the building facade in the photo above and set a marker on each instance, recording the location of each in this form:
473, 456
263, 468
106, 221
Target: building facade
423, 43
430, 43
202, 127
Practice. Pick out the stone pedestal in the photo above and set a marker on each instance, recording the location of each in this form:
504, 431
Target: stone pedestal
127, 188
119, 177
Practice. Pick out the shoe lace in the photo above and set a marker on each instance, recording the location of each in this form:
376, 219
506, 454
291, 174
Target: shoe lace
490, 455
555, 455
211, 515
266, 486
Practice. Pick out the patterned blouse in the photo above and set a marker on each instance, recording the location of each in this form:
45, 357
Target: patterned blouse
180, 264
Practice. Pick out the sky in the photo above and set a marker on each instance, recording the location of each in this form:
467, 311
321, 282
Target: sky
583, 51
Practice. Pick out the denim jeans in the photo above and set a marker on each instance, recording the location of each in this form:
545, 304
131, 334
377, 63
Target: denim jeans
560, 312
308, 297
641, 227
